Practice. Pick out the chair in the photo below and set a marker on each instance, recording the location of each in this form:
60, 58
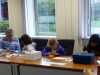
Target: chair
40, 43
68, 45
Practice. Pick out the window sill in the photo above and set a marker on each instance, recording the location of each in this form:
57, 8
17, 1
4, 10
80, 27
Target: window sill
1, 35
44, 37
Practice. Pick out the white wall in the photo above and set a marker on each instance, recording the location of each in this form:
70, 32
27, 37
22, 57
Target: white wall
15, 16
66, 19
75, 25
63, 18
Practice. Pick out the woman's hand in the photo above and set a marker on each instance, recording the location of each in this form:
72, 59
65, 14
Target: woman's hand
51, 56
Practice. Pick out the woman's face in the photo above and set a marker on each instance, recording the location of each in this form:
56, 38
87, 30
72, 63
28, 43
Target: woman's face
53, 43
93, 44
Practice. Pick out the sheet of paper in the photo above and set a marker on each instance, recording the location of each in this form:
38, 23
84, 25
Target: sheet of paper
63, 58
57, 63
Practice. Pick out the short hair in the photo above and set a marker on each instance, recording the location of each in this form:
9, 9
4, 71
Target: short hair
9, 30
26, 39
52, 42
94, 38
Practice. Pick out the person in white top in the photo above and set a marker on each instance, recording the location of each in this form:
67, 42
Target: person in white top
28, 45
29, 51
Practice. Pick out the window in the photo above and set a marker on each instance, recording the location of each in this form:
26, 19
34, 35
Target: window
45, 17
90, 17
95, 16
43, 20
4, 24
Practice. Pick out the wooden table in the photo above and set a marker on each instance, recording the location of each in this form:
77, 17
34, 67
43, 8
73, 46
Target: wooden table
98, 66
48, 65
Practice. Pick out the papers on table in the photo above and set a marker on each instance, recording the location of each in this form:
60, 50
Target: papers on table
49, 63
57, 63
62, 59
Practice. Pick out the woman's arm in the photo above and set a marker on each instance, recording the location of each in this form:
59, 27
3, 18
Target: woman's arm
60, 50
46, 51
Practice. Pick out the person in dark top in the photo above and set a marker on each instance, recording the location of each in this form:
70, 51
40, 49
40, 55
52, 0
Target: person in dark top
53, 48
93, 45
27, 43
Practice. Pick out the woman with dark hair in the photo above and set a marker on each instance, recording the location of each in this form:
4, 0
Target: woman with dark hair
94, 45
27, 43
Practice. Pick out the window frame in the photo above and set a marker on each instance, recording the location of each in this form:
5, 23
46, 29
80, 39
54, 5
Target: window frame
85, 18
34, 33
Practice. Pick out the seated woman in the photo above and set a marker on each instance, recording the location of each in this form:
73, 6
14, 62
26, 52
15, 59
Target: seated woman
53, 48
9, 42
94, 45
27, 43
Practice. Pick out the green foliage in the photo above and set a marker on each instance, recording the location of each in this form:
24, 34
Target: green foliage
52, 28
96, 23
46, 7
4, 26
